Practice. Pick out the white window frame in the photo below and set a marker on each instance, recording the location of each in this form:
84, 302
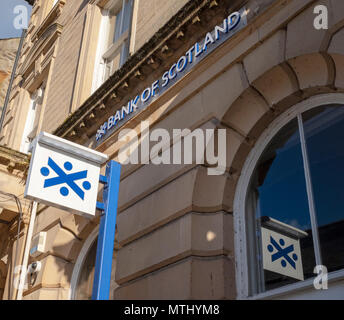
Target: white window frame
115, 47
85, 250
241, 240
80, 262
103, 52
30, 119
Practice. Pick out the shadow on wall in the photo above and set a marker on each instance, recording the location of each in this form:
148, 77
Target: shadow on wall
66, 238
2, 278
65, 268
83, 4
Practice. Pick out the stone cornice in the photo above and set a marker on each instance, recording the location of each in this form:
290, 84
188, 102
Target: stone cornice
195, 18
49, 20
42, 44
14, 160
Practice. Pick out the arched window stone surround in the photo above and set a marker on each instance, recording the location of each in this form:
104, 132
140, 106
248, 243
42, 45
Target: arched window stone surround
239, 208
312, 79
252, 113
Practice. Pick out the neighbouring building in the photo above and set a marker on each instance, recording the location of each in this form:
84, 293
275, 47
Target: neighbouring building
258, 70
8, 50
13, 166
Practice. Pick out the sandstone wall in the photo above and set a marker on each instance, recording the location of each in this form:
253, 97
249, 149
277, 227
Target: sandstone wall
8, 50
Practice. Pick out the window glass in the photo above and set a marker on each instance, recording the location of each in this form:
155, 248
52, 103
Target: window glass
279, 197
325, 145
84, 286
277, 202
127, 15
117, 48
86, 277
114, 26
32, 119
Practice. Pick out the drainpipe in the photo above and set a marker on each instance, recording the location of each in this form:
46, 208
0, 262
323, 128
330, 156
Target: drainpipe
27, 252
12, 79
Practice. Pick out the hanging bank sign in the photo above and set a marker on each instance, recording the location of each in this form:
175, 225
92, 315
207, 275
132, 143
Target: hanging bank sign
231, 25
64, 174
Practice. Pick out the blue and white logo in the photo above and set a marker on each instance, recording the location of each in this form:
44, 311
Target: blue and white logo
65, 179
64, 175
282, 253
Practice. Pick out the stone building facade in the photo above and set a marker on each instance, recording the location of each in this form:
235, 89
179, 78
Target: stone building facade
182, 233
13, 165
8, 49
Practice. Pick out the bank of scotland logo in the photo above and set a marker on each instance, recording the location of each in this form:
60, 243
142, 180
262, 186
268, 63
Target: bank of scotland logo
282, 252
279, 252
65, 180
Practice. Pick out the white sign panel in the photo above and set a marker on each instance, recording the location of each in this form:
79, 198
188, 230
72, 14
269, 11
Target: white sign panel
281, 254
64, 174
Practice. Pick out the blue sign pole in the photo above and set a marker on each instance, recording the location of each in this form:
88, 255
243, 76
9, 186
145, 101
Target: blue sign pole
106, 237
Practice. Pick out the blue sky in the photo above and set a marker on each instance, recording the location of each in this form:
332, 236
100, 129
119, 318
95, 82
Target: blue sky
7, 16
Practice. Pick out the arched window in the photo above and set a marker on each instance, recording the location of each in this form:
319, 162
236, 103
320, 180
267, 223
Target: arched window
84, 286
83, 273
293, 202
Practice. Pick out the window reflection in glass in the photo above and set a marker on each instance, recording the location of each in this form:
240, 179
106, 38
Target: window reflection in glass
117, 48
278, 191
324, 133
84, 285
86, 277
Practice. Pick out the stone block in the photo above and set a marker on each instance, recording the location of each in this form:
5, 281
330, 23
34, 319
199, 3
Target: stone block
266, 56
302, 37
198, 279
208, 191
277, 84
192, 233
157, 209
311, 70
246, 111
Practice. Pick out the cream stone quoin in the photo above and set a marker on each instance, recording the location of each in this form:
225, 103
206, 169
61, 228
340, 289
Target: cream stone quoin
272, 70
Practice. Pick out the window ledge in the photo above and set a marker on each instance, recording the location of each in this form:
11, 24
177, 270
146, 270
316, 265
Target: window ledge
52, 16
295, 287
